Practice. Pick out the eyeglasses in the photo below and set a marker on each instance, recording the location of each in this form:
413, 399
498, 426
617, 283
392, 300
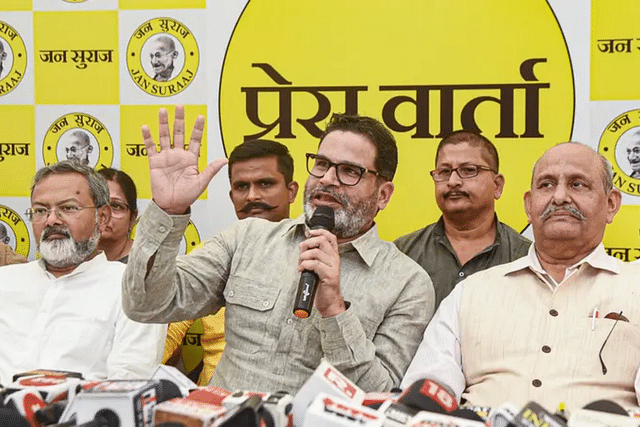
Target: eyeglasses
119, 210
604, 368
464, 171
63, 212
158, 55
346, 173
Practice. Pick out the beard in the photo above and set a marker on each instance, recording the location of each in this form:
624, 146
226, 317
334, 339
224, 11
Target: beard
351, 219
66, 252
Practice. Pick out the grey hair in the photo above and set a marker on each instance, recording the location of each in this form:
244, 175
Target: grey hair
97, 184
607, 175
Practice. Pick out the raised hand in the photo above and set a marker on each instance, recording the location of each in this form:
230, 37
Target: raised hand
175, 180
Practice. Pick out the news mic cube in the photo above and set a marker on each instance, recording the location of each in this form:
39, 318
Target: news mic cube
52, 388
189, 413
280, 406
132, 401
332, 411
325, 379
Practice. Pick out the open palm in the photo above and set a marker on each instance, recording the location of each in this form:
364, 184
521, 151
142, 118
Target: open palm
175, 180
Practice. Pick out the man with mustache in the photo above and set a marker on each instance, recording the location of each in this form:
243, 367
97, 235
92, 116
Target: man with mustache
558, 325
262, 186
261, 179
63, 311
468, 236
372, 301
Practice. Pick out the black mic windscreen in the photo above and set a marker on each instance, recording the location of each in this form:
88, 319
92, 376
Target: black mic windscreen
168, 390
10, 417
467, 414
323, 217
607, 406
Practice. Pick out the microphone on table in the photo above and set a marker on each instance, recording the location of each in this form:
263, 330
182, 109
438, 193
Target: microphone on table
601, 413
118, 403
323, 218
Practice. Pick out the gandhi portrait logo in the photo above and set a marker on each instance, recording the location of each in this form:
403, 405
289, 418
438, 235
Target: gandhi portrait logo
162, 57
13, 231
13, 58
78, 136
620, 144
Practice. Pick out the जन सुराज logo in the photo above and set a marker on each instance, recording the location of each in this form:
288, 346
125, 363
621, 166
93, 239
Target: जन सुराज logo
162, 57
620, 144
12, 223
13, 58
78, 136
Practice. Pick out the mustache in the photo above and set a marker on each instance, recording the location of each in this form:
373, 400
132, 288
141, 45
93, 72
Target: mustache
256, 205
341, 198
55, 229
455, 192
573, 211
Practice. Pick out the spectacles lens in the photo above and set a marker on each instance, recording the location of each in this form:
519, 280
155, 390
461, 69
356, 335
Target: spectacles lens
118, 209
348, 174
468, 171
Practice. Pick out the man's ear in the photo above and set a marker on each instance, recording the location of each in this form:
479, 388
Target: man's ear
498, 180
384, 194
527, 205
292, 188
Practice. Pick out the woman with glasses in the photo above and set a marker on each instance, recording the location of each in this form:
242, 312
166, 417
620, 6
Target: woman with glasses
115, 240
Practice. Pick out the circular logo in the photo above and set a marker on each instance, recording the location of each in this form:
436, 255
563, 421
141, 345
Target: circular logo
13, 231
620, 144
78, 136
13, 58
162, 57
190, 238
422, 83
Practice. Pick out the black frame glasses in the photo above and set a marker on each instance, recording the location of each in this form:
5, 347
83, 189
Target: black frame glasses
471, 171
347, 173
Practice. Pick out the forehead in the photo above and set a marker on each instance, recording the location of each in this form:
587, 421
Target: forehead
115, 190
635, 142
256, 168
348, 147
569, 159
159, 45
462, 152
60, 187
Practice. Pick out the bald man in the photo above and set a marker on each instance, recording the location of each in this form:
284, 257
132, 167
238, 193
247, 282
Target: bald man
79, 147
558, 325
163, 53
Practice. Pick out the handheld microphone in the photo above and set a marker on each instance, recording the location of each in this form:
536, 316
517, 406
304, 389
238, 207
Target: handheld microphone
322, 218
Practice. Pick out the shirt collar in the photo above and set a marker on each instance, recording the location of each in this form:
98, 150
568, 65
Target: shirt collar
365, 245
83, 266
598, 259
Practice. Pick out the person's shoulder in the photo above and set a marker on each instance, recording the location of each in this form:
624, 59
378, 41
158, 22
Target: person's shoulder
410, 239
22, 268
399, 263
